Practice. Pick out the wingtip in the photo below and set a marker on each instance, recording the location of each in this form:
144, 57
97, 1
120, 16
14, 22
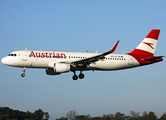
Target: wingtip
115, 46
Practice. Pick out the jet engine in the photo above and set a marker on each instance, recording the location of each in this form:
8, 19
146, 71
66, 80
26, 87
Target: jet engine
50, 71
58, 69
61, 67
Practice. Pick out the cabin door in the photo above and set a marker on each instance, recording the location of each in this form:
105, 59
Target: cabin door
24, 56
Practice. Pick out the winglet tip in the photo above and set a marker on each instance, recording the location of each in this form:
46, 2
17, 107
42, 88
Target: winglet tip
115, 46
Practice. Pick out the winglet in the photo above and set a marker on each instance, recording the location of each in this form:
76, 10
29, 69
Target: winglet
115, 46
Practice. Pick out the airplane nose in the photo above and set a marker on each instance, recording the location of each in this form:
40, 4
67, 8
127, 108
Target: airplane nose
8, 61
4, 60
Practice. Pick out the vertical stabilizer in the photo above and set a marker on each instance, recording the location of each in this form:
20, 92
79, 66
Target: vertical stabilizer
148, 45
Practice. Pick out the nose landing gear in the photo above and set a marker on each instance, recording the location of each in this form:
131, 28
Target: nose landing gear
23, 70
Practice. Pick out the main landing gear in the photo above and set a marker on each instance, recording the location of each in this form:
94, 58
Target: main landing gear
81, 75
23, 70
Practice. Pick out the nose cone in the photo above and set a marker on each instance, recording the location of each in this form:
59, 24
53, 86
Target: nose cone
3, 60
10, 61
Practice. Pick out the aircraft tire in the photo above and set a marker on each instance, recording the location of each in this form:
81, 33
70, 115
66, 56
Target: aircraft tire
22, 75
75, 77
81, 76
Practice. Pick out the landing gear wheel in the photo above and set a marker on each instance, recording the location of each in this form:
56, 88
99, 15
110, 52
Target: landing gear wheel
22, 75
75, 77
23, 70
81, 76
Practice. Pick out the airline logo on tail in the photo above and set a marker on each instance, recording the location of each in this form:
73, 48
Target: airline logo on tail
149, 44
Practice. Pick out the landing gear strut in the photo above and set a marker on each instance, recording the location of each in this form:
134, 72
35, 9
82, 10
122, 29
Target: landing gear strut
23, 70
81, 75
75, 77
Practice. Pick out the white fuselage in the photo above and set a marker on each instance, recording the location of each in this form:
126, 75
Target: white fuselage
44, 59
57, 62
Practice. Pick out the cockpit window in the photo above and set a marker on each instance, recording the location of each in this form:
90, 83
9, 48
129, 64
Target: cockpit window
12, 55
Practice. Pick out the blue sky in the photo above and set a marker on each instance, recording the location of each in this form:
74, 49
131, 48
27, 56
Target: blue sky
80, 26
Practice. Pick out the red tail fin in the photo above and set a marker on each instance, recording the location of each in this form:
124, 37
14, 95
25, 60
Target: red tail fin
148, 45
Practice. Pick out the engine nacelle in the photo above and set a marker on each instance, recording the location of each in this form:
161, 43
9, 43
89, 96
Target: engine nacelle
61, 67
58, 68
50, 71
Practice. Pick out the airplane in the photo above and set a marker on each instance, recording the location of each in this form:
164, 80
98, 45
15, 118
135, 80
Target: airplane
57, 62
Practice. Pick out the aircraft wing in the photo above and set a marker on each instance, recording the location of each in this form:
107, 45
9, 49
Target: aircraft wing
93, 59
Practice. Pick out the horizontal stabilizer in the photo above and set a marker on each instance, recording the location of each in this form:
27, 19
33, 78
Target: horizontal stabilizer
153, 58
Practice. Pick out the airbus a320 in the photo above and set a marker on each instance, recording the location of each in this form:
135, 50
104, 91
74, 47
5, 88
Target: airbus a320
57, 62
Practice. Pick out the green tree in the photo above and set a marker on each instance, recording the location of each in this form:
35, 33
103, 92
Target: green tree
108, 117
152, 116
10, 114
71, 115
119, 116
83, 117
144, 116
62, 118
134, 115
163, 117
38, 114
96, 118
46, 116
